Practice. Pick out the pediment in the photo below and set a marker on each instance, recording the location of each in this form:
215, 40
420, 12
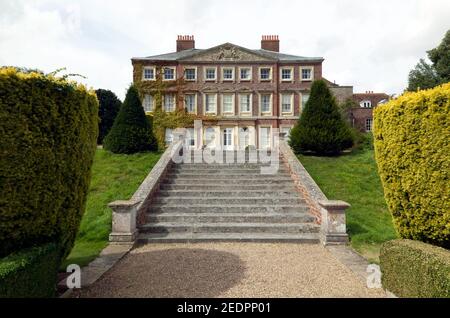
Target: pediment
227, 52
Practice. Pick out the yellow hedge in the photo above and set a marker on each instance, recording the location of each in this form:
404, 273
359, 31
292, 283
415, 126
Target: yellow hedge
411, 137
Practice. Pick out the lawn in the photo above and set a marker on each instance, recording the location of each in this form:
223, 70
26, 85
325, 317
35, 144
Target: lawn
114, 177
353, 178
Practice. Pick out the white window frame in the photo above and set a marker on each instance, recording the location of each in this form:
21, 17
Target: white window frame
149, 68
269, 112
214, 137
205, 69
152, 106
281, 104
195, 102
174, 102
270, 136
232, 73
311, 68
250, 72
164, 73
191, 135
204, 104
368, 122
190, 68
233, 97
245, 113
270, 74
290, 79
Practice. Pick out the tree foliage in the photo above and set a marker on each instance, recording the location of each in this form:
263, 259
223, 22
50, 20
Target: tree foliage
109, 106
320, 128
132, 130
425, 75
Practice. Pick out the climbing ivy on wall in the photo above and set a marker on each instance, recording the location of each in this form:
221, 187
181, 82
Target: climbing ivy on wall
161, 119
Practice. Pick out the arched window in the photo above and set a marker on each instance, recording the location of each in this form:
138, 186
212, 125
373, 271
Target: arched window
366, 104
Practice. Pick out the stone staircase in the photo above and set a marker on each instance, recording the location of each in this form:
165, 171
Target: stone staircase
227, 202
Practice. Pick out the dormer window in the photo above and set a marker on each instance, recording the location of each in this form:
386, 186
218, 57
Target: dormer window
366, 104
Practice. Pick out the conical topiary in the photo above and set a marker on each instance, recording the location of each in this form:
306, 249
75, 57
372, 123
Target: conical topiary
320, 128
131, 131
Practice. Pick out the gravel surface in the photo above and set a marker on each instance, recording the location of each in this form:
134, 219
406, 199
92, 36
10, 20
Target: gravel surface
229, 270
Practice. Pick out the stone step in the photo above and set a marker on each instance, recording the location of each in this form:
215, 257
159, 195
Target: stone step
309, 238
227, 193
229, 200
240, 227
224, 187
226, 176
230, 217
221, 171
240, 183
246, 165
229, 208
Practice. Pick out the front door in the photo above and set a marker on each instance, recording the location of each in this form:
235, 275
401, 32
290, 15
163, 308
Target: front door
227, 138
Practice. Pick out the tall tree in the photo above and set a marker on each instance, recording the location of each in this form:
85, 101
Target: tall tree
426, 75
440, 56
109, 106
320, 128
132, 130
423, 76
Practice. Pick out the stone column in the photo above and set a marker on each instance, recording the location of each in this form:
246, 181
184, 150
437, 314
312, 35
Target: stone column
333, 222
123, 221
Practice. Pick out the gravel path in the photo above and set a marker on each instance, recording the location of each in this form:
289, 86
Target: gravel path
229, 270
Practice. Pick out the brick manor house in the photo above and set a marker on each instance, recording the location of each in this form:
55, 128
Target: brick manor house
247, 92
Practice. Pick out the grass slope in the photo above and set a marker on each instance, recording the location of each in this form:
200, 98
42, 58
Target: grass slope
354, 178
114, 177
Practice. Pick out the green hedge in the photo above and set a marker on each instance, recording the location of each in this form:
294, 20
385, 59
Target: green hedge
48, 129
412, 147
30, 272
415, 269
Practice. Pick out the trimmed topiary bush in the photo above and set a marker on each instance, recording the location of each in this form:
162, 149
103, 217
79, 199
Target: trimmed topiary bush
412, 147
109, 107
320, 128
30, 272
132, 130
48, 129
415, 269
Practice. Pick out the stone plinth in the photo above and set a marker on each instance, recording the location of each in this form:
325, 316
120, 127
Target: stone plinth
123, 221
333, 221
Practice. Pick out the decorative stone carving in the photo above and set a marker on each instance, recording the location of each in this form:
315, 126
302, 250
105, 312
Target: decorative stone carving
227, 52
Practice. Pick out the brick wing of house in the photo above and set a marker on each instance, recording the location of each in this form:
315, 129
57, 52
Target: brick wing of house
361, 117
247, 93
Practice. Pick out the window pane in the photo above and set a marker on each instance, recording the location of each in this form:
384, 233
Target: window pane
305, 98
265, 73
169, 102
265, 137
148, 103
245, 102
286, 73
227, 73
306, 73
169, 73
210, 103
227, 103
286, 102
190, 73
245, 73
189, 103
211, 73
265, 103
148, 73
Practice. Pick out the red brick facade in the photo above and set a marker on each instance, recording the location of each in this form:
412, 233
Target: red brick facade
231, 56
362, 117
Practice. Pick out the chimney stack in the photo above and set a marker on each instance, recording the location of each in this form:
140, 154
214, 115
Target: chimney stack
270, 43
185, 42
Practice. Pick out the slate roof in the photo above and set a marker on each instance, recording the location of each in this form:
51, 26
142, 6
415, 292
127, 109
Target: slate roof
176, 56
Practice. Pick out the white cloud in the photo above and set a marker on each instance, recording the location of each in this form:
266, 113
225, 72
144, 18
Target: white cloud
369, 44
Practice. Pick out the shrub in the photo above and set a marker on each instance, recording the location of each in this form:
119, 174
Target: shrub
320, 128
415, 269
411, 137
30, 272
109, 106
132, 131
48, 129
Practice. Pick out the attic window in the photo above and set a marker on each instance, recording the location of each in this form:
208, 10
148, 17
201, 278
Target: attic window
366, 104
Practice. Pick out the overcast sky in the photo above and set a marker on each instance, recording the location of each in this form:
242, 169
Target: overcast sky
371, 45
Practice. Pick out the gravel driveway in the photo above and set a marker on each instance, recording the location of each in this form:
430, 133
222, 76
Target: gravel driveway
229, 270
